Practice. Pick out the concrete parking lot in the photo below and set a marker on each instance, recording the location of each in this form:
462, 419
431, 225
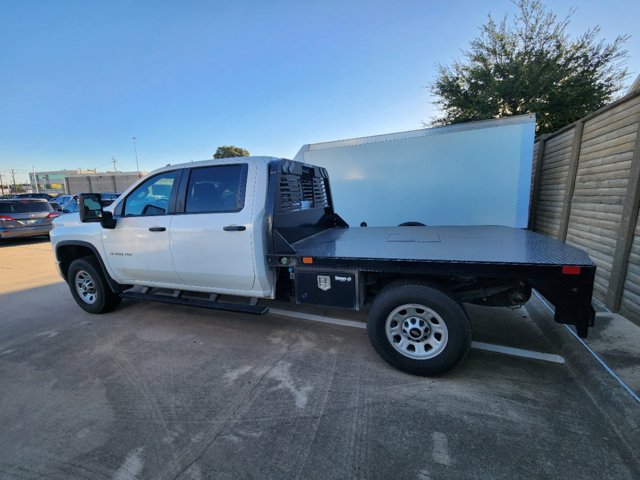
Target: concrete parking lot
153, 391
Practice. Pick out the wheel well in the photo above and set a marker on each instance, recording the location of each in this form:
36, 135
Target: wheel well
482, 291
374, 282
68, 253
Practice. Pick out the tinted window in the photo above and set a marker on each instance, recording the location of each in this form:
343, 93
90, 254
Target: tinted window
152, 197
216, 189
24, 207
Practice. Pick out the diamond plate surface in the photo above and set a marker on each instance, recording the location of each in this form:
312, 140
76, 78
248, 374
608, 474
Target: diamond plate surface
484, 244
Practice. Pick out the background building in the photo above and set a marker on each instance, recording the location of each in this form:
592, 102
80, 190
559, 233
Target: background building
59, 182
52, 182
100, 182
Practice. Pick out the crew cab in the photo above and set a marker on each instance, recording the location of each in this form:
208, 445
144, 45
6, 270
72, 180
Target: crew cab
265, 228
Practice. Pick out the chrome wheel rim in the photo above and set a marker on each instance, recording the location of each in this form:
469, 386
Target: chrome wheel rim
416, 331
86, 287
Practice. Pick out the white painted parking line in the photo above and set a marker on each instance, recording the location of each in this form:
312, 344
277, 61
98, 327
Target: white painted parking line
489, 347
317, 318
608, 369
518, 352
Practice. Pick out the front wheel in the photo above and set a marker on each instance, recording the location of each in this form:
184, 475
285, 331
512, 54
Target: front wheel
89, 286
418, 328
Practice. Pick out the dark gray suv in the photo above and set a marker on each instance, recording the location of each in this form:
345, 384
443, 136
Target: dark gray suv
25, 217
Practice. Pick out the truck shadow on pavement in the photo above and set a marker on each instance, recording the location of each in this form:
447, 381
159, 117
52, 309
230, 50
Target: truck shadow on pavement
16, 242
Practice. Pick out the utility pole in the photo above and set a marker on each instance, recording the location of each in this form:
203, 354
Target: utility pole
113, 159
35, 179
1, 186
135, 149
13, 175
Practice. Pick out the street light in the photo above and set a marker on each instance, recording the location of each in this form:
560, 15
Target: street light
135, 149
35, 179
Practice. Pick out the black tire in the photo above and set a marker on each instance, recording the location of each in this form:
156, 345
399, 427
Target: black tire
412, 224
408, 315
89, 286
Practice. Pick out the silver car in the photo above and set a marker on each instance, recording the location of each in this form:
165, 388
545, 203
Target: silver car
25, 217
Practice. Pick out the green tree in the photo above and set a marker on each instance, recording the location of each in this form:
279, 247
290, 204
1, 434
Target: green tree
531, 65
229, 151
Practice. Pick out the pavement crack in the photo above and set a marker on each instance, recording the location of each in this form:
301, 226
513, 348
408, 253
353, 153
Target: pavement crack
319, 417
232, 414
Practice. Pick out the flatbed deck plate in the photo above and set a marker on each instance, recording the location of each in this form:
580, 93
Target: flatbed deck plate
476, 244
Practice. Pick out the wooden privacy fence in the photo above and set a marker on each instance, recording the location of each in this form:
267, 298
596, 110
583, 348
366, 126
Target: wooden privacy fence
586, 191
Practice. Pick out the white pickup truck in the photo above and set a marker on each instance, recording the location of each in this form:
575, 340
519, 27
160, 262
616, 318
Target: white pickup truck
202, 233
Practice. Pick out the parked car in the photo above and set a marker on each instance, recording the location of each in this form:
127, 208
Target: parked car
261, 227
60, 201
71, 206
108, 198
25, 217
45, 196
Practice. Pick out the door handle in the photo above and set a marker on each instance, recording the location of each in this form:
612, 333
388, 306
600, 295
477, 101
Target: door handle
234, 228
157, 229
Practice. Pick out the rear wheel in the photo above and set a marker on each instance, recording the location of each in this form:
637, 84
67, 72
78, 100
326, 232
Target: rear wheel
89, 286
419, 328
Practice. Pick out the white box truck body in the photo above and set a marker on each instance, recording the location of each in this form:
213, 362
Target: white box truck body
475, 173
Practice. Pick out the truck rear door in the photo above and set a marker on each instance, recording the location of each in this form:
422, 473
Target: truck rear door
211, 240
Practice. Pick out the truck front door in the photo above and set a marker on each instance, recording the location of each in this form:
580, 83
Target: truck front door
212, 241
137, 250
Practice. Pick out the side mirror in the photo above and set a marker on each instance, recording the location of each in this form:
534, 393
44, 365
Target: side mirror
107, 220
90, 207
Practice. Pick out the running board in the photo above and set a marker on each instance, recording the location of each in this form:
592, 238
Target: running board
177, 299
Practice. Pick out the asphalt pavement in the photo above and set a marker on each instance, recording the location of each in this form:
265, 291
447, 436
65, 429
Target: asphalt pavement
154, 391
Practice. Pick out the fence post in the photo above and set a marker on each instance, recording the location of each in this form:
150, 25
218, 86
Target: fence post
537, 178
625, 231
571, 180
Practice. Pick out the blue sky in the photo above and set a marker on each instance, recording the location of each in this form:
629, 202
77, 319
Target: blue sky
79, 79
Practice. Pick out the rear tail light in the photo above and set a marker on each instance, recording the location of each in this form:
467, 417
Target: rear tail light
571, 270
6, 217
53, 215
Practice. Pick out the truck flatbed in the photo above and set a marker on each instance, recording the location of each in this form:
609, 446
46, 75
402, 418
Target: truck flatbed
560, 272
474, 244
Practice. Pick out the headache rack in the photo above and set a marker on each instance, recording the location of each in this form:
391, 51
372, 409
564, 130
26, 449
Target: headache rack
299, 204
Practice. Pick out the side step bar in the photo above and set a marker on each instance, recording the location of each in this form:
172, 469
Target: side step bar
213, 303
